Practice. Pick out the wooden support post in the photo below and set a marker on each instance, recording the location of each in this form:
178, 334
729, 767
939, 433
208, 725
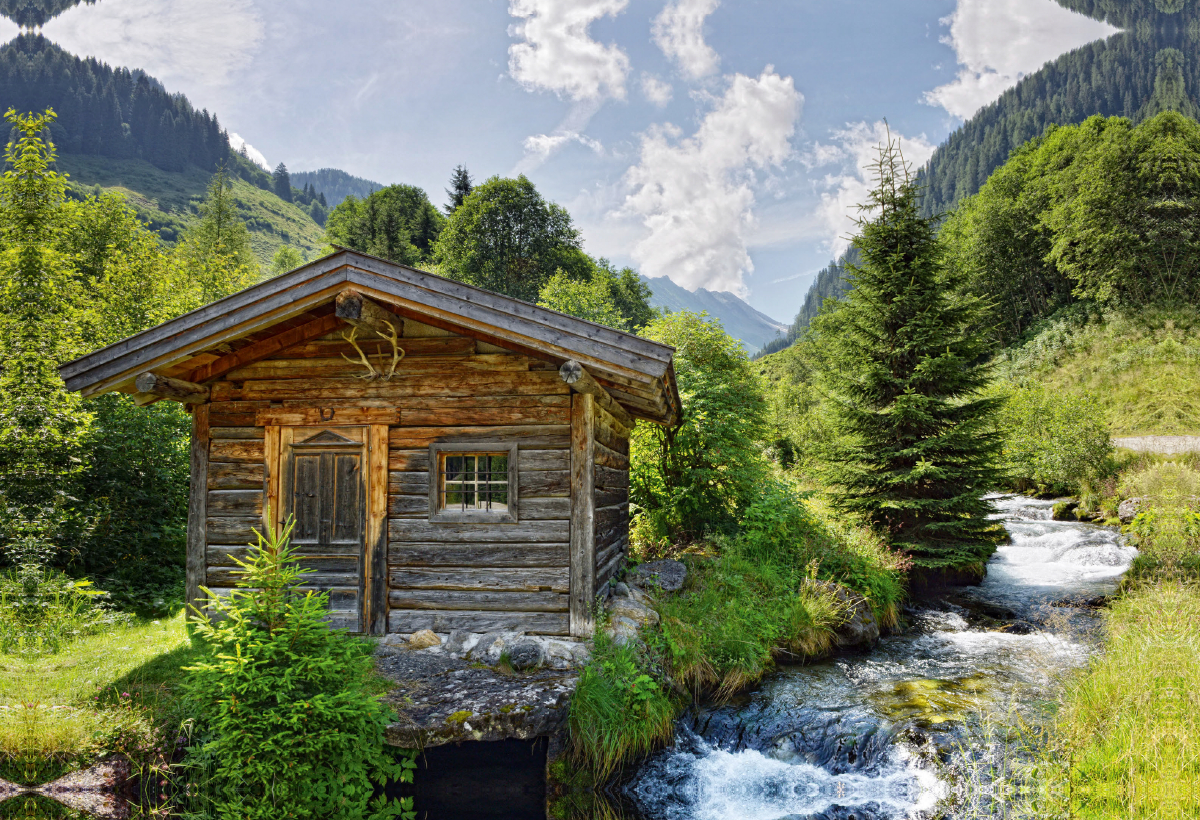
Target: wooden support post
375, 563
357, 310
581, 381
198, 507
583, 514
174, 389
271, 473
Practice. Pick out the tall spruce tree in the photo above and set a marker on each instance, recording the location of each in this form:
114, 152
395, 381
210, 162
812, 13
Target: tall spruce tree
916, 447
460, 188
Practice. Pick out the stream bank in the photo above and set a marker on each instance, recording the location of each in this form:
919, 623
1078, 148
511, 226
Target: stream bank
895, 733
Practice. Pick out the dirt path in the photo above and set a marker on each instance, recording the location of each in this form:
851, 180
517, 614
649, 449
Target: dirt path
1167, 445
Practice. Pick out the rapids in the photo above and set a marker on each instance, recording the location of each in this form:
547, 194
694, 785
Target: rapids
887, 734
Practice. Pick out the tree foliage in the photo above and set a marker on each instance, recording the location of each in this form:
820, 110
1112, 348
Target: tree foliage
397, 223
619, 299
1105, 211
282, 182
916, 447
1054, 440
701, 474
505, 237
460, 188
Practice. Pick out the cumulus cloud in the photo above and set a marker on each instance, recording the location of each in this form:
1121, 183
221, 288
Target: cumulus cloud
695, 195
253, 154
854, 149
1000, 41
679, 31
558, 55
205, 41
539, 147
655, 90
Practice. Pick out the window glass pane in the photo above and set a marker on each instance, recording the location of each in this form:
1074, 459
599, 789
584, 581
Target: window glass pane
475, 481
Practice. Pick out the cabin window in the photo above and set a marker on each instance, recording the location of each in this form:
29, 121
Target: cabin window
473, 483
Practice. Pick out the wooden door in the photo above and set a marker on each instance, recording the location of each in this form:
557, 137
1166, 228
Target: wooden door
324, 488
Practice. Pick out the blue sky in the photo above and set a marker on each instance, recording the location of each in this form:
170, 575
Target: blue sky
720, 142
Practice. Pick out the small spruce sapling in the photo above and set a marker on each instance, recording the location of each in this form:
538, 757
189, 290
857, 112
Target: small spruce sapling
292, 724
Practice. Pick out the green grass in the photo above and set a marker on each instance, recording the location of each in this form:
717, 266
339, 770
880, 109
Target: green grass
1143, 368
108, 692
168, 201
1129, 728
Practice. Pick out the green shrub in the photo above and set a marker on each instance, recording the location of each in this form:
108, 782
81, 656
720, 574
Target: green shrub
41, 611
1054, 440
699, 476
290, 716
800, 534
619, 711
724, 629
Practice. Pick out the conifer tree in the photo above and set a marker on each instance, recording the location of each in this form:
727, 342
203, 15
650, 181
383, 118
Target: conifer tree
282, 182
460, 188
916, 449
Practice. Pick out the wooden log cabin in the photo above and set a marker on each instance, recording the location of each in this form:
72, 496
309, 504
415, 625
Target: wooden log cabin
453, 458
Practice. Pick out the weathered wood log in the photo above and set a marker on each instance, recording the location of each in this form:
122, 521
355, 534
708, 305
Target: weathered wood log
237, 450
583, 525
408, 506
523, 531
543, 483
544, 459
533, 623
474, 555
459, 384
222, 476
408, 460
574, 374
488, 578
377, 512
324, 416
440, 599
611, 479
234, 413
166, 387
611, 458
246, 433
332, 368
259, 350
333, 348
197, 507
235, 502
532, 436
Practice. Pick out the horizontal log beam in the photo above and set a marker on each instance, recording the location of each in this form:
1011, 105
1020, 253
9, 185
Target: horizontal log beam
166, 387
574, 374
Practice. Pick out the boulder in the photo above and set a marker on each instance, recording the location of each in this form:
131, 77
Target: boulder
1064, 510
423, 639
859, 628
635, 611
1129, 509
667, 574
526, 655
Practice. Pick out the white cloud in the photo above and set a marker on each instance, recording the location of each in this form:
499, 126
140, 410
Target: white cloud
558, 55
679, 31
655, 90
695, 195
1000, 41
205, 41
253, 154
539, 147
855, 148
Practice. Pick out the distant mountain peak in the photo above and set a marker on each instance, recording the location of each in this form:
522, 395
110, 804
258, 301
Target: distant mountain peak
751, 327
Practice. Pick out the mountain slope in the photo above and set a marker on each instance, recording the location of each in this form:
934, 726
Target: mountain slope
335, 184
752, 328
169, 201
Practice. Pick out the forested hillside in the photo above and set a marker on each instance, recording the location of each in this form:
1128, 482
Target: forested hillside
1137, 73
752, 328
335, 185
30, 13
830, 283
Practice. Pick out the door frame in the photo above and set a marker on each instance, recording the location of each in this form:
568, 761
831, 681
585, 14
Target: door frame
278, 439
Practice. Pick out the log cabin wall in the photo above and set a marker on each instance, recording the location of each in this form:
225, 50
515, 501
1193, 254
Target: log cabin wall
447, 388
611, 490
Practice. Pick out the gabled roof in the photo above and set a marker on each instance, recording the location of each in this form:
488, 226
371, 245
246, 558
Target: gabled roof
637, 372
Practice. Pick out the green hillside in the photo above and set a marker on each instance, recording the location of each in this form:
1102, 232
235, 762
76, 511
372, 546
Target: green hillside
168, 201
1140, 366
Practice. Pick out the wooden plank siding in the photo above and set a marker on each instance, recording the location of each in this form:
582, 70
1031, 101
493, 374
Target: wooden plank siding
611, 496
423, 574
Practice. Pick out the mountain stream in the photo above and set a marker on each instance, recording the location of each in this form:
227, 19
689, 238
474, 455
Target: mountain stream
894, 733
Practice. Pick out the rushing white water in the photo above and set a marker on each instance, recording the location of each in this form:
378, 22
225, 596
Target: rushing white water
861, 736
